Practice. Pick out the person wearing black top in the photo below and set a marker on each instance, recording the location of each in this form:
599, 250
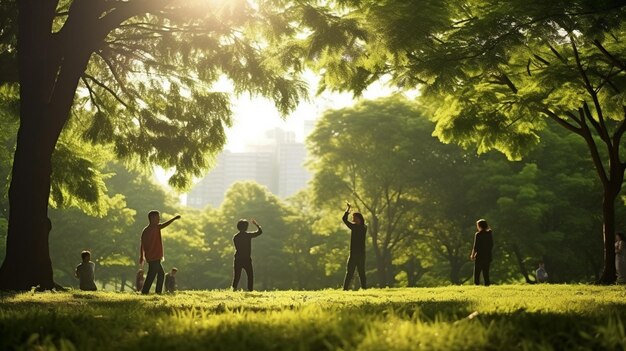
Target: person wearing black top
481, 251
357, 248
243, 252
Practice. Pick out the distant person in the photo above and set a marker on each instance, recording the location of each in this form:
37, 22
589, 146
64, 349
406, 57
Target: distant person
620, 258
541, 274
170, 281
356, 260
481, 251
85, 272
139, 280
151, 251
243, 252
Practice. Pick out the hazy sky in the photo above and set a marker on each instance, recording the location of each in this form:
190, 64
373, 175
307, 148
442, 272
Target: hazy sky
253, 116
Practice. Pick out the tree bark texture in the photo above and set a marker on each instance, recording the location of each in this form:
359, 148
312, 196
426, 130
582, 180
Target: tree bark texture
47, 88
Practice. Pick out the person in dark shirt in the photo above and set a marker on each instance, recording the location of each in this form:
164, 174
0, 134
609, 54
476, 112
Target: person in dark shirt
481, 251
243, 252
356, 260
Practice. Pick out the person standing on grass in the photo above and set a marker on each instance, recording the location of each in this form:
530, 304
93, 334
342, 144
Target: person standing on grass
481, 251
620, 258
170, 281
356, 260
243, 252
541, 275
151, 251
85, 272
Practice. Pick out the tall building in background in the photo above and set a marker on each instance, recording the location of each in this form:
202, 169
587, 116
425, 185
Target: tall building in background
292, 176
278, 164
230, 168
309, 126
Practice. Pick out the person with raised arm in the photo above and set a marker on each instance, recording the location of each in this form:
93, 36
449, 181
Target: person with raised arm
356, 260
151, 251
243, 252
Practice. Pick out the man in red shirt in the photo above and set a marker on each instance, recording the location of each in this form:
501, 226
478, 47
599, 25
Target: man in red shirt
151, 251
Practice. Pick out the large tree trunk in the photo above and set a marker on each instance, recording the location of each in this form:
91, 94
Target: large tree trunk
47, 88
27, 262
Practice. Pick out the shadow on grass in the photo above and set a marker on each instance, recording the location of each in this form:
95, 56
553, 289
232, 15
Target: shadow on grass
502, 331
92, 322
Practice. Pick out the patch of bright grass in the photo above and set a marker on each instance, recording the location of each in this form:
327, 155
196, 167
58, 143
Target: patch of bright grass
539, 317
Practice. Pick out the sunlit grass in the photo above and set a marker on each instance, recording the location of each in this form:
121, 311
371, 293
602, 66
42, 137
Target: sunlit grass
447, 318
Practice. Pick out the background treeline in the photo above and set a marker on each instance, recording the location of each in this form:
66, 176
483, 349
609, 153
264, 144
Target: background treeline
420, 198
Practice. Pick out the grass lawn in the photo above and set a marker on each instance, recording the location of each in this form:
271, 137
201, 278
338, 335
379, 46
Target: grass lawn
520, 317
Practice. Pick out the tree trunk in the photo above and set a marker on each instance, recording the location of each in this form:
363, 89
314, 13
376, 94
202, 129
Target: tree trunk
380, 271
456, 265
47, 88
608, 213
383, 267
27, 262
379, 252
520, 264
389, 270
414, 271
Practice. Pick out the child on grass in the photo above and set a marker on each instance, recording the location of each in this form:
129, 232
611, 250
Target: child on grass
139, 280
85, 272
170, 281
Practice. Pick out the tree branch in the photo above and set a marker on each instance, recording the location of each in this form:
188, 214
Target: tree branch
92, 95
617, 137
127, 10
556, 53
593, 149
562, 122
607, 80
109, 90
614, 60
115, 75
599, 125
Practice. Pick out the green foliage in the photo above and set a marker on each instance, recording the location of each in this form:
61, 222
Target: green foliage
113, 236
8, 119
377, 169
106, 238
536, 207
249, 200
459, 318
493, 74
541, 209
157, 87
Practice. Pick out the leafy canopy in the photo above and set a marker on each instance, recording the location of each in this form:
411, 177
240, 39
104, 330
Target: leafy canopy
157, 89
490, 71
